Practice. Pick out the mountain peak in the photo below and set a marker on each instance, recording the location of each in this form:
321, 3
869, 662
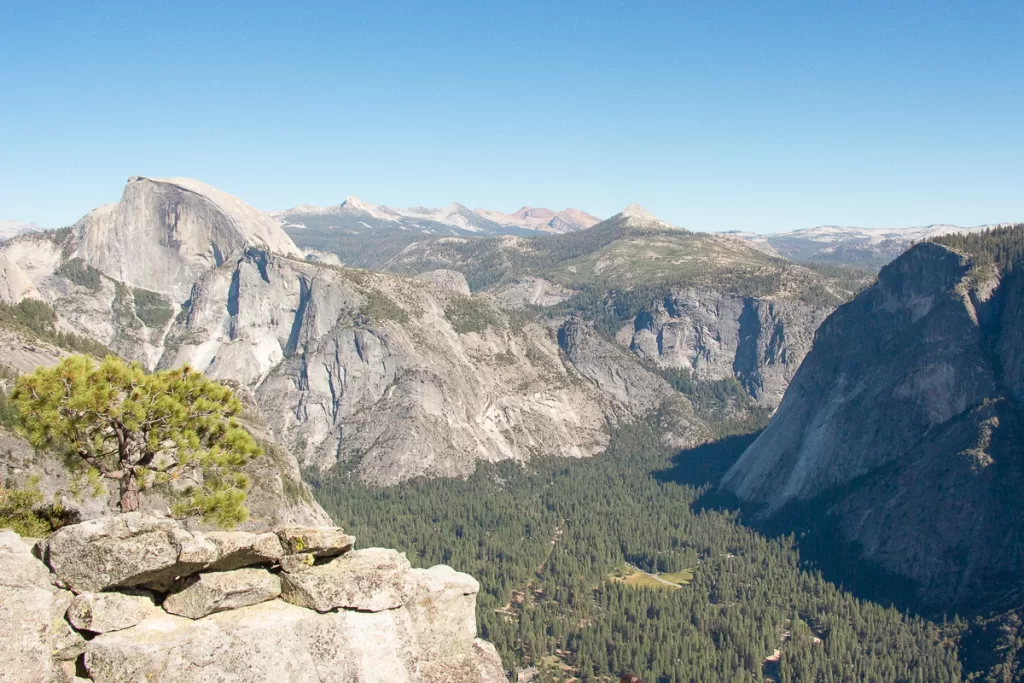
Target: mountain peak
131, 240
634, 210
353, 202
637, 216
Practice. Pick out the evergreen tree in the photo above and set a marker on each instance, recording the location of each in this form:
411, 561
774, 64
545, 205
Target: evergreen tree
116, 421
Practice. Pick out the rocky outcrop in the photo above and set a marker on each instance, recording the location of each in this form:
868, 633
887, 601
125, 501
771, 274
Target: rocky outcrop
377, 619
715, 336
530, 291
904, 423
15, 285
449, 279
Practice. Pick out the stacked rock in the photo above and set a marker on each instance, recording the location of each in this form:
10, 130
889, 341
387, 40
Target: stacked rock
138, 597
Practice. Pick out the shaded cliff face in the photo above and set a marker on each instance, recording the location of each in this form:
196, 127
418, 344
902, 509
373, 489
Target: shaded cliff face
903, 423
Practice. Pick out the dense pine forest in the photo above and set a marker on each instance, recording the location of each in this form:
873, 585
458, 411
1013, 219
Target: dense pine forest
595, 568
1002, 247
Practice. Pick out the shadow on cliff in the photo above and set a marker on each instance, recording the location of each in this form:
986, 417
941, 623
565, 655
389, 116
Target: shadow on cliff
813, 529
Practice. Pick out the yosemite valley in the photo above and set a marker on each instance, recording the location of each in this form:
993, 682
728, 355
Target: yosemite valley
676, 454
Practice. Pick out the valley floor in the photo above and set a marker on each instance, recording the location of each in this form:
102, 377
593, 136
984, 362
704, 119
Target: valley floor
545, 542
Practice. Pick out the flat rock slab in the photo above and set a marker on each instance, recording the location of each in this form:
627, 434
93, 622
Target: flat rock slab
370, 580
213, 592
272, 641
105, 612
145, 550
320, 541
239, 549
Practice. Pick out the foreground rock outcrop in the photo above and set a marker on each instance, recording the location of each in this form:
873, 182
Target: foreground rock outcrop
904, 423
193, 614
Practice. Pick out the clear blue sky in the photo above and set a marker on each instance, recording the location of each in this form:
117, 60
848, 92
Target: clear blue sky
714, 115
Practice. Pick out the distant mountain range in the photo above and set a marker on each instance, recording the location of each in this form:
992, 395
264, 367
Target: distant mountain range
850, 245
829, 244
9, 229
355, 214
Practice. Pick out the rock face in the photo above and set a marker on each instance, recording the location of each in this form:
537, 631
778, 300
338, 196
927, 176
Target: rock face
25, 604
343, 356
164, 233
904, 420
15, 285
760, 342
418, 625
178, 272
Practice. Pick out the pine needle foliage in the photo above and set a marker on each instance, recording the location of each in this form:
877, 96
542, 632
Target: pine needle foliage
175, 429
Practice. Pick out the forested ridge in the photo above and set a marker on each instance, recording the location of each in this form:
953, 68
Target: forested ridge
544, 542
1002, 247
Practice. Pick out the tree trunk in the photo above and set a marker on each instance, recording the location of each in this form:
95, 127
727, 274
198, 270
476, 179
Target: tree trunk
129, 492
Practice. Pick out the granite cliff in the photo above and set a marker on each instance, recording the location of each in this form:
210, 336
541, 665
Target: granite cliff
903, 424
394, 376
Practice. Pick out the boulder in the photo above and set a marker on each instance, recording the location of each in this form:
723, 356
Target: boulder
134, 549
238, 549
320, 541
26, 598
369, 580
104, 612
212, 592
145, 550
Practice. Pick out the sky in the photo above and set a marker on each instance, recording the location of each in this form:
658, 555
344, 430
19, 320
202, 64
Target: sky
762, 116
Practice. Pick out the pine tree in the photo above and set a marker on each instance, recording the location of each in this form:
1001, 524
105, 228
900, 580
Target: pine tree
116, 421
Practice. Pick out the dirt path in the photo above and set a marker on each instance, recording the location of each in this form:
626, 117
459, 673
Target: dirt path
658, 578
